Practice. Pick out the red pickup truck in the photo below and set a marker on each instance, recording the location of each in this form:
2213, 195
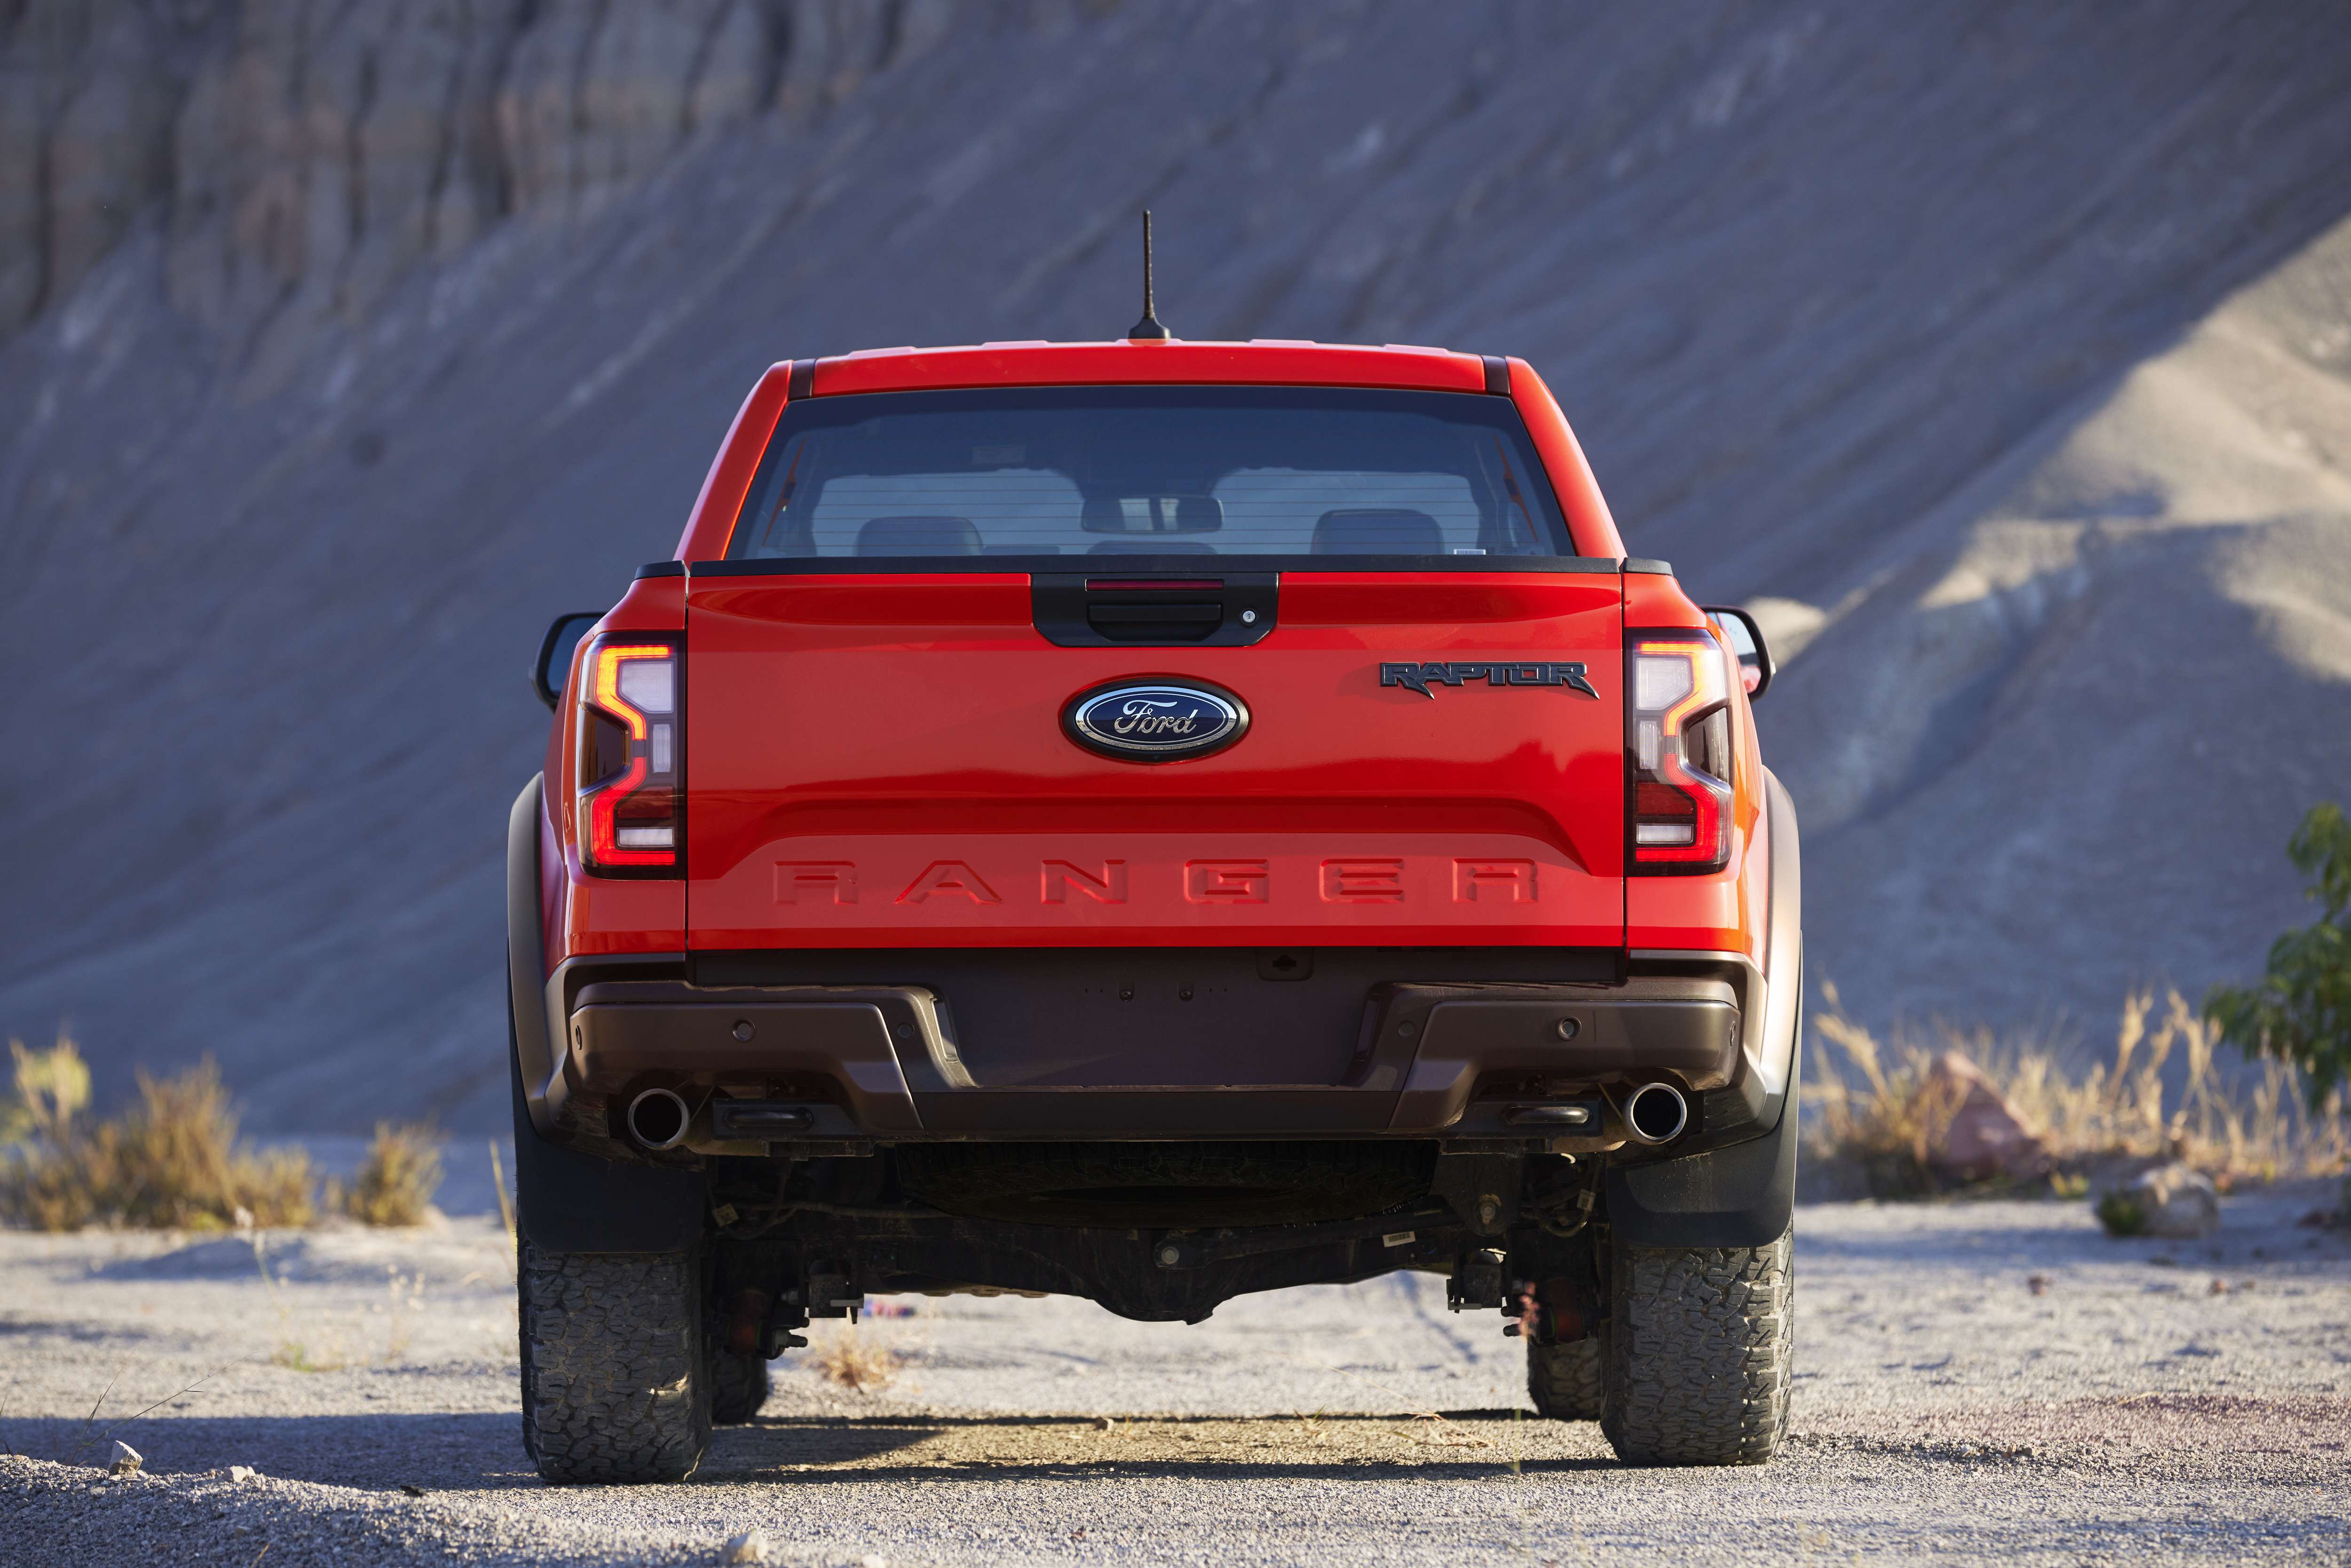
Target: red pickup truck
1151, 820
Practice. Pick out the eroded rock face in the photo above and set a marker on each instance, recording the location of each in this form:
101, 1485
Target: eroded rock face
302, 154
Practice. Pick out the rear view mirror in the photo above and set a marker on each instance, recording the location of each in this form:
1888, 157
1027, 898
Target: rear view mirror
1152, 514
1755, 666
553, 667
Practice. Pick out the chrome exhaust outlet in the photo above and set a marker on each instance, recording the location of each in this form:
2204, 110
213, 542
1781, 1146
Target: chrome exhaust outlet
658, 1119
1655, 1114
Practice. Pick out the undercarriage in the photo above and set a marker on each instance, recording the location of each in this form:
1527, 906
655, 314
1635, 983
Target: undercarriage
1157, 1232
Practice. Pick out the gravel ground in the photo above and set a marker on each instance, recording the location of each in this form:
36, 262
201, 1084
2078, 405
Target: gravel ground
2172, 1401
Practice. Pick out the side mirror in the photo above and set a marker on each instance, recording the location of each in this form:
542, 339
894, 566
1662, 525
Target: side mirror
1755, 666
553, 667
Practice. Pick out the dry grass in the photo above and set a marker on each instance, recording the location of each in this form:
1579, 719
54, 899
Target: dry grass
1874, 1114
170, 1161
858, 1361
52, 1088
395, 1183
327, 1343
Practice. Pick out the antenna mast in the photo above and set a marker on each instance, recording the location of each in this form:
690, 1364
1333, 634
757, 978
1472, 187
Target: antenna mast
1149, 327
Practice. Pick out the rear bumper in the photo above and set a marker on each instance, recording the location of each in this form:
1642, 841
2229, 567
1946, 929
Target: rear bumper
784, 1064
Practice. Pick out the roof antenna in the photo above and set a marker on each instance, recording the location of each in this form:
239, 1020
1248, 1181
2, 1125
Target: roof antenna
1149, 327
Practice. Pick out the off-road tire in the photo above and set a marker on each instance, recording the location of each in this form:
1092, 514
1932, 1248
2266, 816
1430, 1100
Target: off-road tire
1569, 1382
613, 1385
1699, 1346
739, 1385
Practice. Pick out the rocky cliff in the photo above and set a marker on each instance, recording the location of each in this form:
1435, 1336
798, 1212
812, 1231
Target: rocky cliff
304, 154
353, 340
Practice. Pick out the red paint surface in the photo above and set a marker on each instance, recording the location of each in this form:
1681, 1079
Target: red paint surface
892, 724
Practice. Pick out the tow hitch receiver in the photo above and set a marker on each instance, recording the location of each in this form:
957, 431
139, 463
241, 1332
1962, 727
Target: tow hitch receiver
1477, 1282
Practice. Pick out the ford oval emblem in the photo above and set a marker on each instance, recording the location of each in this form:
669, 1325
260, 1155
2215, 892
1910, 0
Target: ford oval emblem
1156, 721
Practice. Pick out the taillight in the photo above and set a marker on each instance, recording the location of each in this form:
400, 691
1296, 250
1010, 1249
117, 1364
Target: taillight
632, 809
1678, 753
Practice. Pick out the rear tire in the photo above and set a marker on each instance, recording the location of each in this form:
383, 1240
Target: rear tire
614, 1388
739, 1385
1569, 1382
1699, 1346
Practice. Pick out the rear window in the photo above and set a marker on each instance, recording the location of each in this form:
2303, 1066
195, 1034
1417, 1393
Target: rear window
1150, 471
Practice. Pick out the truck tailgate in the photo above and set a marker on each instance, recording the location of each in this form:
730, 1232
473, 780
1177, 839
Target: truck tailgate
879, 760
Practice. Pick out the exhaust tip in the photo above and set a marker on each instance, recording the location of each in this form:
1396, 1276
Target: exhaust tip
657, 1119
1655, 1114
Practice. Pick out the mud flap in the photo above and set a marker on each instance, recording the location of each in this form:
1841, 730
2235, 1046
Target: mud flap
566, 1201
1741, 1196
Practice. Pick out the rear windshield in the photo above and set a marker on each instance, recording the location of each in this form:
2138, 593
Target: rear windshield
1156, 471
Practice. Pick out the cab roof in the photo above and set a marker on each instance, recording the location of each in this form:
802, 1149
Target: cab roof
1262, 361
1271, 361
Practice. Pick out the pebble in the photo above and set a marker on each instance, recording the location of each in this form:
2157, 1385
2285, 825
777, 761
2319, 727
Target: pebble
127, 1459
751, 1546
243, 1473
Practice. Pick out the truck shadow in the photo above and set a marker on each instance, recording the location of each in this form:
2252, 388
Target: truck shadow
483, 1453
892, 1448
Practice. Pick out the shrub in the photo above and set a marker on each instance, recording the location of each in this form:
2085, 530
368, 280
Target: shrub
1882, 1128
51, 1086
856, 1364
2120, 1215
170, 1161
2300, 1011
396, 1181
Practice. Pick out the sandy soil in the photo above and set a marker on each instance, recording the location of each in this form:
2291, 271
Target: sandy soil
2170, 1400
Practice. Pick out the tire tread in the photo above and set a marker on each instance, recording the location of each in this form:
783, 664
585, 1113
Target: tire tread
1701, 1342
1569, 1382
612, 1386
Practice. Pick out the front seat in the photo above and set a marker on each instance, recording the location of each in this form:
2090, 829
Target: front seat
1377, 531
918, 535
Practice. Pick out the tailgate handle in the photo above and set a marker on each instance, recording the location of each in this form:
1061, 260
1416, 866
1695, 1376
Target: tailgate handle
1140, 608
1137, 614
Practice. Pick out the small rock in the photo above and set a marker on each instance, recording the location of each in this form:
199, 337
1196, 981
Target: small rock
1104, 1424
751, 1546
411, 1489
2171, 1200
2038, 1284
241, 1473
2218, 1288
127, 1459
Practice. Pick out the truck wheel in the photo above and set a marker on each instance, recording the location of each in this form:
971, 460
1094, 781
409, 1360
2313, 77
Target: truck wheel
1698, 1350
1567, 1381
614, 1385
739, 1385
